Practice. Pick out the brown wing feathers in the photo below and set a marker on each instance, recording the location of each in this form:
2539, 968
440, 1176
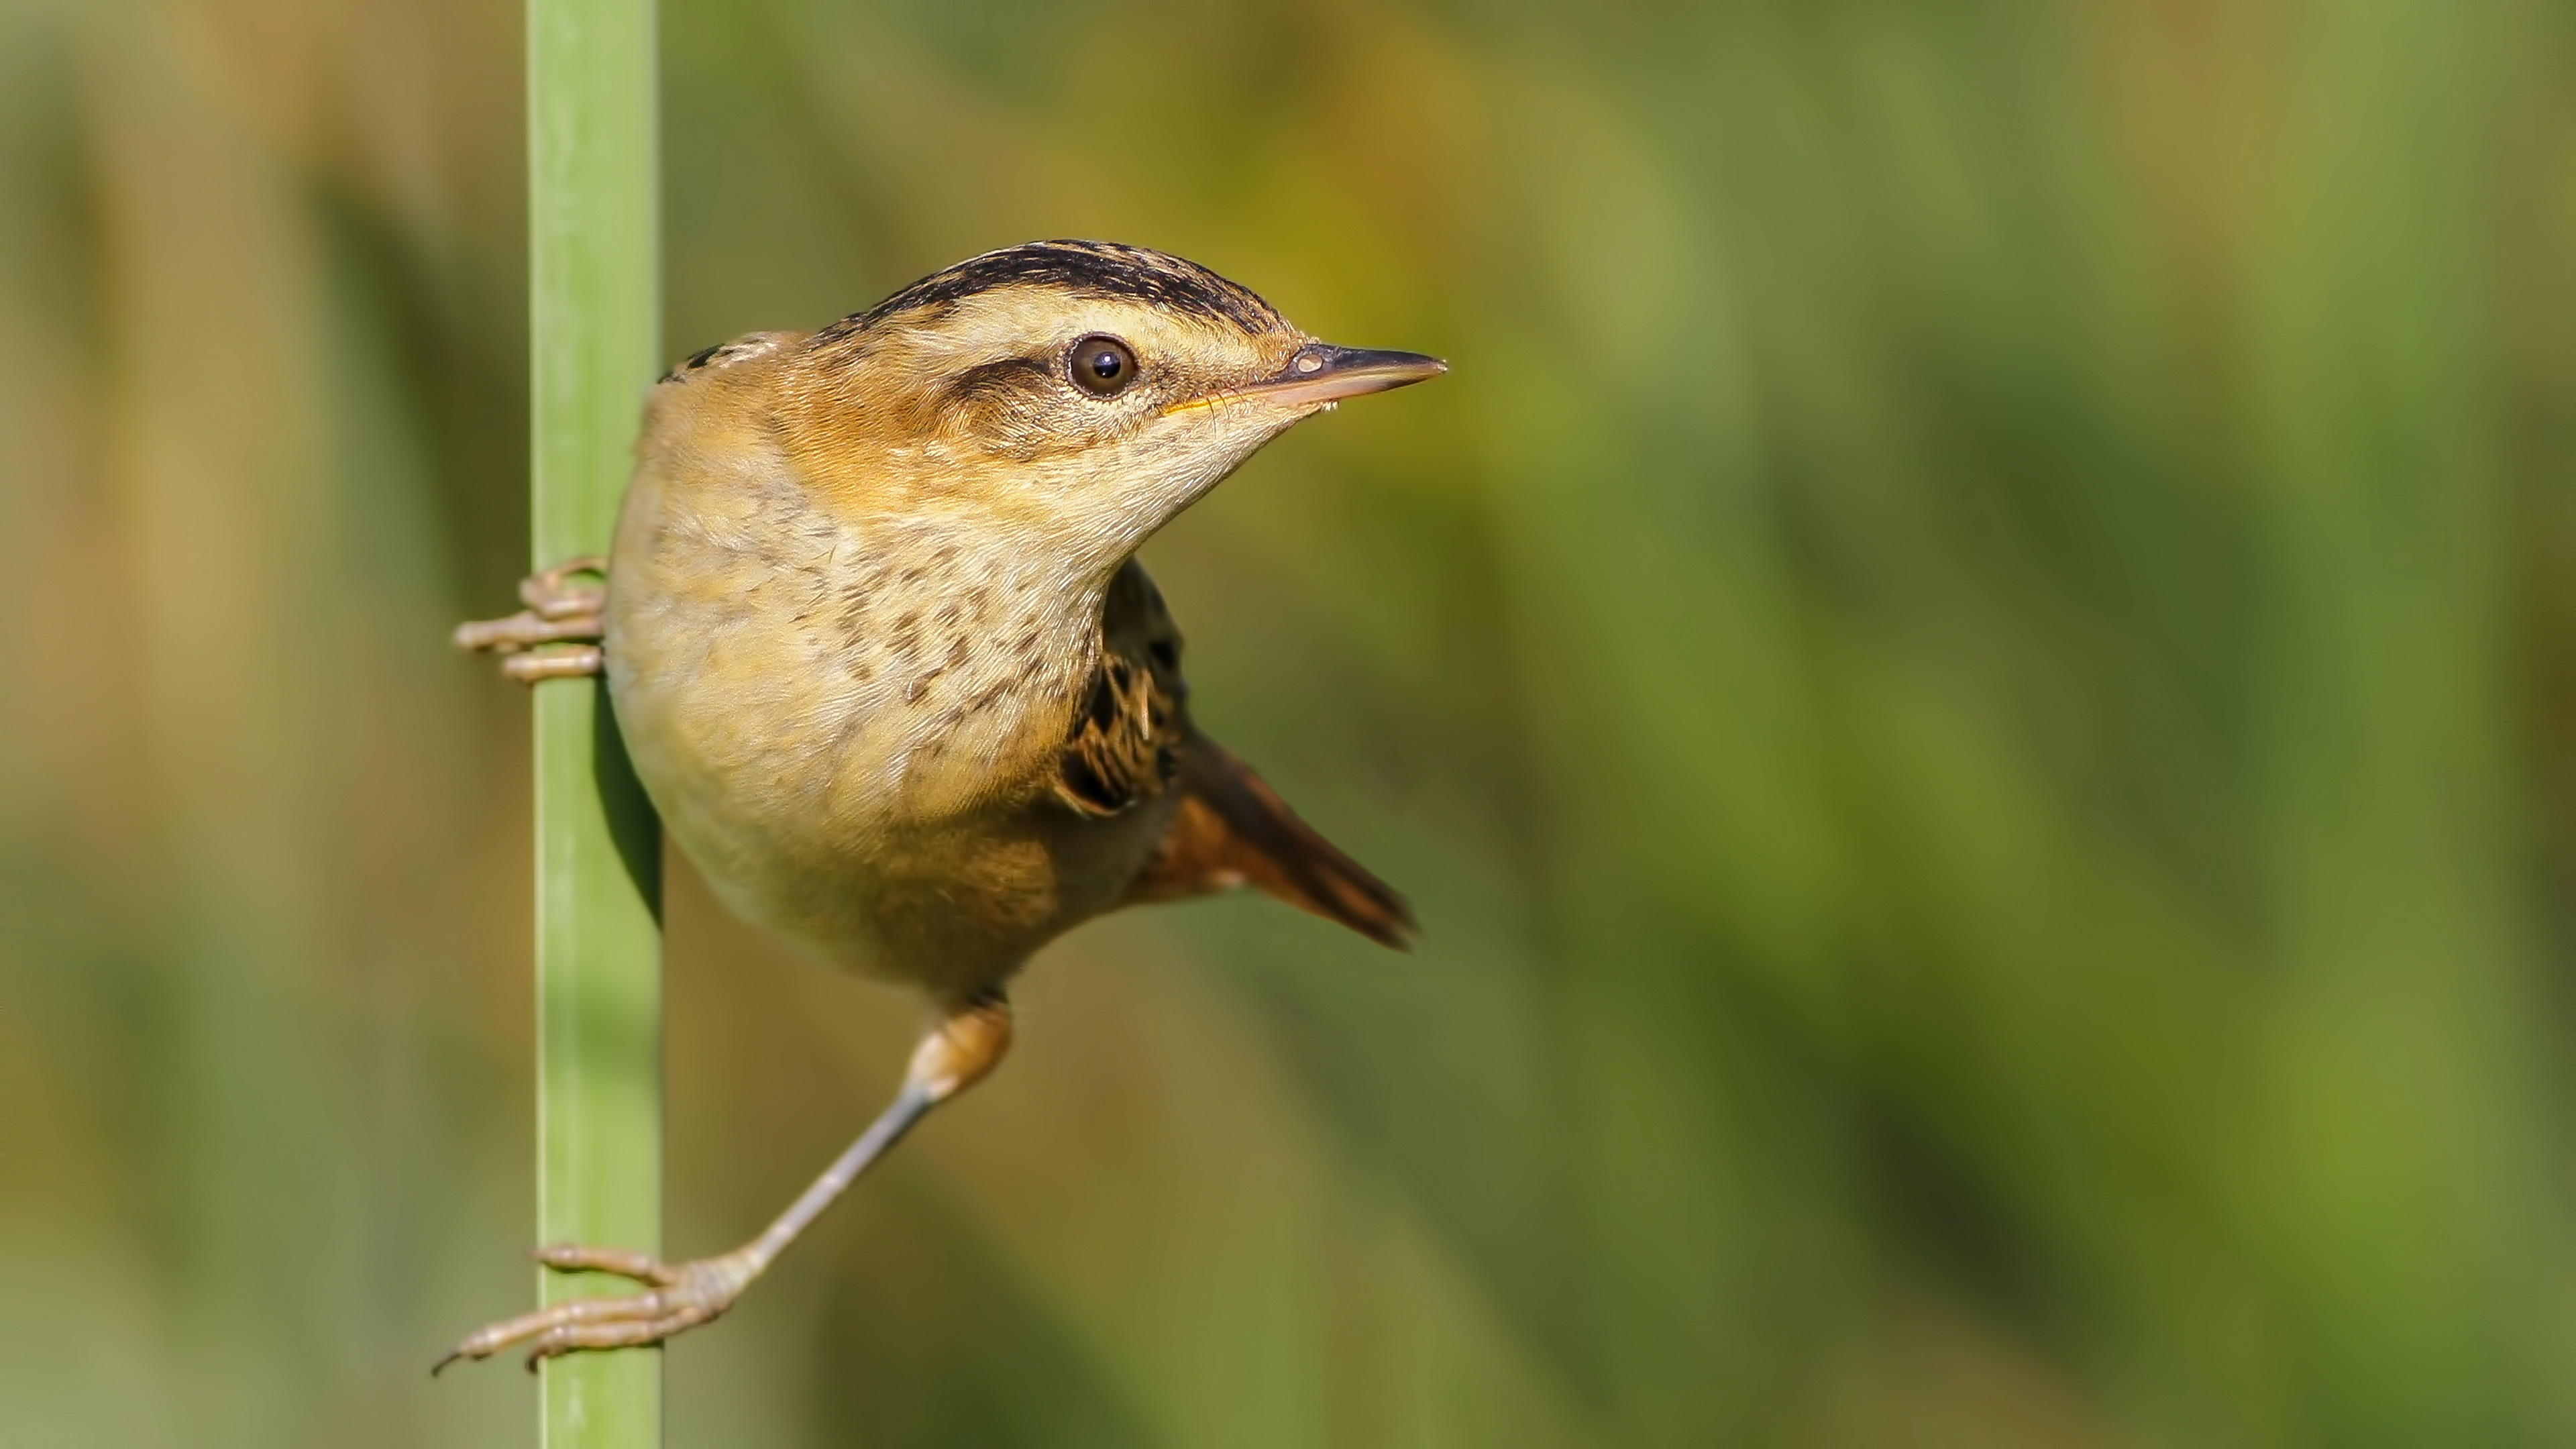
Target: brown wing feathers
1125, 746
1126, 742
1229, 828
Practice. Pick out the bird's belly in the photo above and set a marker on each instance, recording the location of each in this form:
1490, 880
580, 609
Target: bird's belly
751, 791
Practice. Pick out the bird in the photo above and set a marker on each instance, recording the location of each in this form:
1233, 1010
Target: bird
876, 638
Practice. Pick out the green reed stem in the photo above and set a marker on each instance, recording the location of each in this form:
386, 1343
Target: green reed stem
594, 279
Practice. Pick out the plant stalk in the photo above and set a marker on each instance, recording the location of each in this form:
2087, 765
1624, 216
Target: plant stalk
594, 278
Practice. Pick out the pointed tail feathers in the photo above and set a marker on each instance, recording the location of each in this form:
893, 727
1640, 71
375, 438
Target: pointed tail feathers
1232, 829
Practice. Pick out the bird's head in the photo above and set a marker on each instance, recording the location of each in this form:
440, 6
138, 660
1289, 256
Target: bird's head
1073, 395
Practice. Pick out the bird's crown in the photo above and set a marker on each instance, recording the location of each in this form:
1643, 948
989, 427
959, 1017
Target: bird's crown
1081, 269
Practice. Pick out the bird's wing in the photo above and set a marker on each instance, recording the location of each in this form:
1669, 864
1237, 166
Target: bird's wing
1126, 743
1228, 828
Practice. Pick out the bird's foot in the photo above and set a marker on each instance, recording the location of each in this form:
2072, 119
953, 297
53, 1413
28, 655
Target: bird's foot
677, 1296
559, 612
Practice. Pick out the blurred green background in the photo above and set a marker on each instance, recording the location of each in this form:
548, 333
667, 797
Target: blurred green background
1974, 675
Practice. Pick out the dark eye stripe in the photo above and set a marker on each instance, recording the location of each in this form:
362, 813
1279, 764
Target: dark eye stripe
1011, 374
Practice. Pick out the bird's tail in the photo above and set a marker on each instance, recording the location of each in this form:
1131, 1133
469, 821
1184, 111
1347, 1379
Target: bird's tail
1232, 829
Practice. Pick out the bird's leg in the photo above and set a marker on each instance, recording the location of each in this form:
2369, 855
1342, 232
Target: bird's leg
559, 611
967, 1043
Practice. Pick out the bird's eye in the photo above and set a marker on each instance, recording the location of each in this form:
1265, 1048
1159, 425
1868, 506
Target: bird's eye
1102, 366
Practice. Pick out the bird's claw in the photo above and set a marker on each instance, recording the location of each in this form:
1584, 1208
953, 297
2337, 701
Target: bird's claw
559, 611
677, 1297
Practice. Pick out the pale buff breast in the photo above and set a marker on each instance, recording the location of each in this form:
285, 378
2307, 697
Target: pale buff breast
849, 724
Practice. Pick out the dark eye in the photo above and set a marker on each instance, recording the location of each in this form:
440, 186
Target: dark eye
1102, 366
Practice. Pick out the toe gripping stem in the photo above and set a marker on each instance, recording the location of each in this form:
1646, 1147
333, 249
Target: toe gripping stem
676, 1297
559, 612
960, 1049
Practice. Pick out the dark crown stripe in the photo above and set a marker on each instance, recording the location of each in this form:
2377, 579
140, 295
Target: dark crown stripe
1099, 269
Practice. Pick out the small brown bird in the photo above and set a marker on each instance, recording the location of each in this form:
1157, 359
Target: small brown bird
886, 663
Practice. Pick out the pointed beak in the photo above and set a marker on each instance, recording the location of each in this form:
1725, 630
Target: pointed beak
1321, 373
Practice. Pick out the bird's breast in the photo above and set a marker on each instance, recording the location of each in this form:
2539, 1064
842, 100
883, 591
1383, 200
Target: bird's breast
849, 723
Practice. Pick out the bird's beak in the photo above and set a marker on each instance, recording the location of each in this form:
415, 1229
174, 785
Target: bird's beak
1321, 373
